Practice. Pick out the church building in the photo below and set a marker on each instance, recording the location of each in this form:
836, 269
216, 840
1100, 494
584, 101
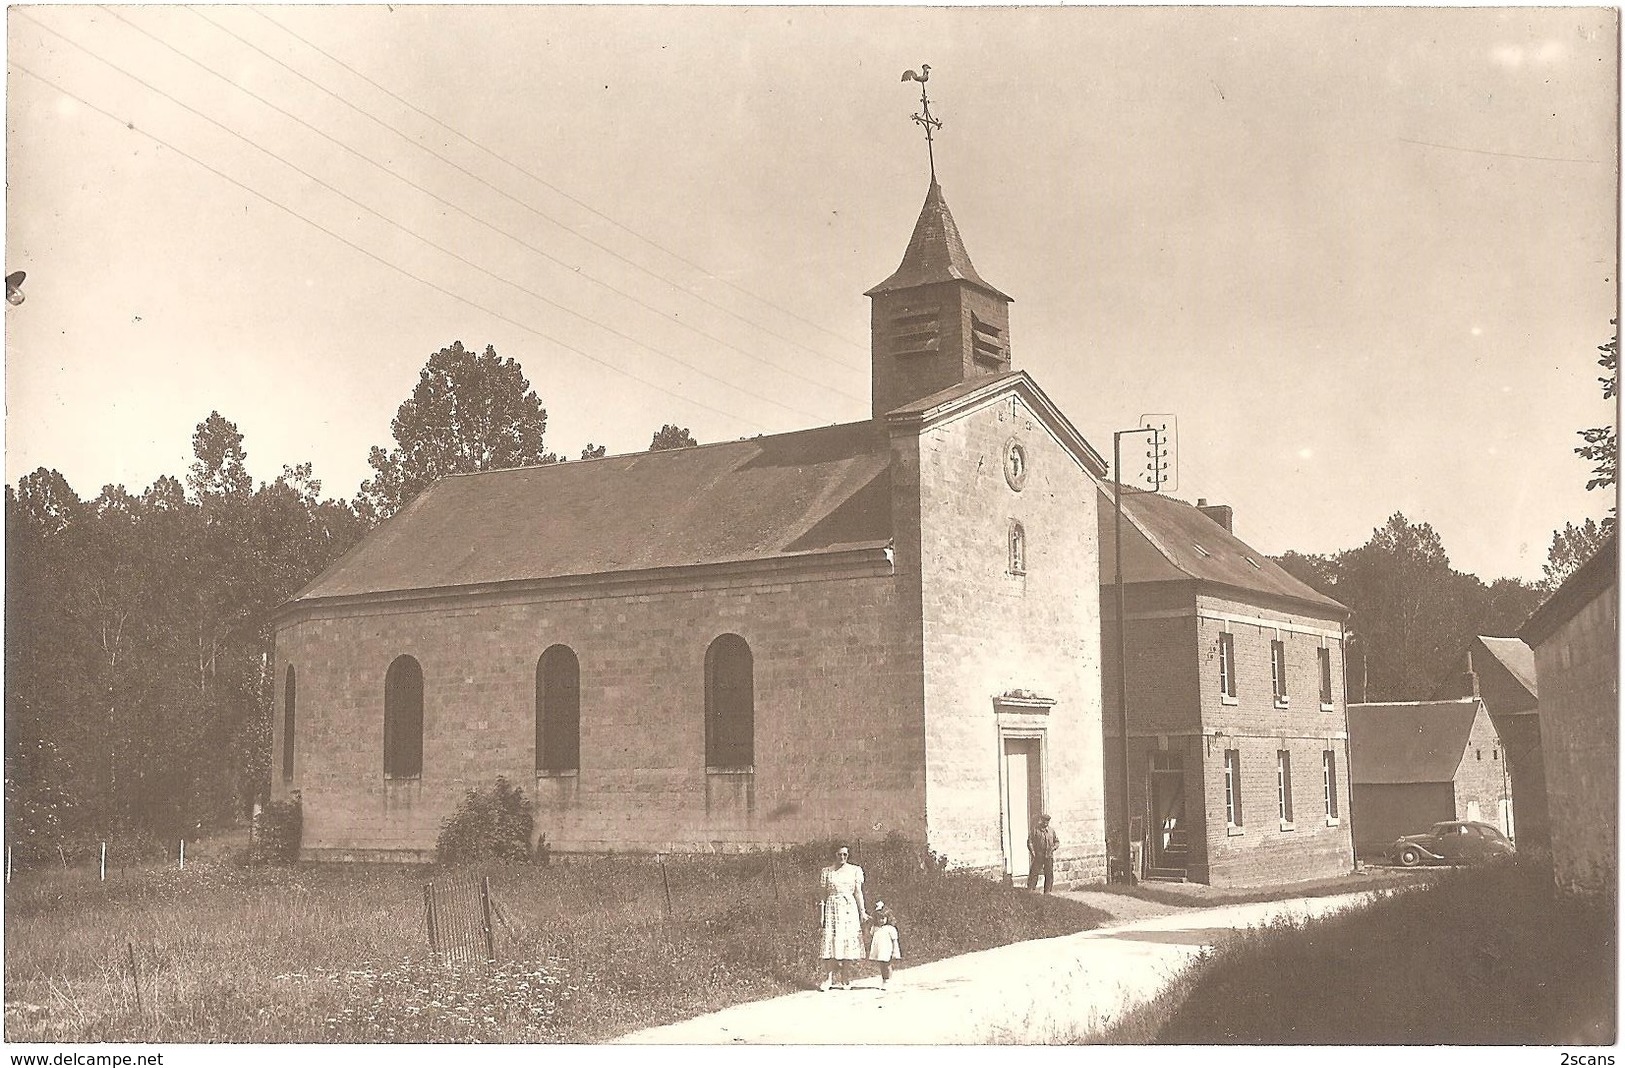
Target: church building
884, 626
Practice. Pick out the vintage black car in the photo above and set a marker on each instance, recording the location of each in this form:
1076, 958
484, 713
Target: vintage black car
1452, 842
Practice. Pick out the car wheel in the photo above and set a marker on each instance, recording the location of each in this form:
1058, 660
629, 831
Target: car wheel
1410, 856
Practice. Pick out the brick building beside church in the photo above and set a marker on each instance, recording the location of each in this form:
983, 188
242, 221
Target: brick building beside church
884, 626
1238, 752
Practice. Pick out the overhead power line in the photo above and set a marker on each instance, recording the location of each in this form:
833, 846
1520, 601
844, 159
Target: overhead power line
482, 222
419, 237
679, 257
380, 259
509, 196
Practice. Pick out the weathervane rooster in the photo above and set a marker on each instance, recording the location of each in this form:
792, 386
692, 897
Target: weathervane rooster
924, 116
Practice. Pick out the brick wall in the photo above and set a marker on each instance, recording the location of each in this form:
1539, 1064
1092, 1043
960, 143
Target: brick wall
1578, 671
1315, 846
1176, 705
988, 632
838, 736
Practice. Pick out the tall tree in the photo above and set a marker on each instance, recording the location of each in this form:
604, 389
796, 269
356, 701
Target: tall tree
593, 452
1571, 547
469, 412
220, 463
1601, 446
136, 694
1413, 613
671, 437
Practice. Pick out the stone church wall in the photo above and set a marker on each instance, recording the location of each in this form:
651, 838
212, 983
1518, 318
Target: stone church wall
989, 632
838, 737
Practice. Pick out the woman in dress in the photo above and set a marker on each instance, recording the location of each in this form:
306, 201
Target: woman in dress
841, 915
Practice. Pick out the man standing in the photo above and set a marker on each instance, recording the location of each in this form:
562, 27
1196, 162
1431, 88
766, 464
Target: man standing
1041, 845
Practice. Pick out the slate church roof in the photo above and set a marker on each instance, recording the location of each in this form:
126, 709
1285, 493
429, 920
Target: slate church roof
936, 252
1168, 540
805, 492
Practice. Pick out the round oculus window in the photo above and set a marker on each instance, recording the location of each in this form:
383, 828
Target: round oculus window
1015, 464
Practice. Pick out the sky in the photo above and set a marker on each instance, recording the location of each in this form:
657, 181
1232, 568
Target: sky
1364, 257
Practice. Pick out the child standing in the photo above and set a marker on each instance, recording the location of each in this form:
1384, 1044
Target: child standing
884, 946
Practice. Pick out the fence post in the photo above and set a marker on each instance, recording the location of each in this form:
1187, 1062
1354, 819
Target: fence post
104, 862
666, 883
63, 855
135, 977
485, 917
183, 854
428, 914
8, 864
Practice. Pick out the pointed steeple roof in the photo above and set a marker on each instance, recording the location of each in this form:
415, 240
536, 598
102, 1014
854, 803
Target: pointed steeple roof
936, 253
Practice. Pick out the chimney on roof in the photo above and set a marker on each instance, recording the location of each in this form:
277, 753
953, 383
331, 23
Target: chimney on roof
1221, 514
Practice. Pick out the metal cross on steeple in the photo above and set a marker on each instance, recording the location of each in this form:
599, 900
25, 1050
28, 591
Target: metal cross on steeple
924, 116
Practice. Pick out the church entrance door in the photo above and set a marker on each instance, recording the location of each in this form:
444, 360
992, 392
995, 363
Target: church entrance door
1023, 798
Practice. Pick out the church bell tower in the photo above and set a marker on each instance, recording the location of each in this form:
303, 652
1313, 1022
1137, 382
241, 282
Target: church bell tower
934, 323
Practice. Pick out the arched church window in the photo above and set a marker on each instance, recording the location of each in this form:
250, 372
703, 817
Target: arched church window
558, 710
730, 704
403, 719
289, 690
1018, 549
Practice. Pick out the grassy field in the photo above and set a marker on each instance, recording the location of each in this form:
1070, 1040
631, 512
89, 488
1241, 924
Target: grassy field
1480, 957
339, 953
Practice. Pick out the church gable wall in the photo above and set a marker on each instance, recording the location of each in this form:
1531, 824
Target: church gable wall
835, 754
1028, 630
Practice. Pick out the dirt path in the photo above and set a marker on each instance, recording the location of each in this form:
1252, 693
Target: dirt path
1049, 990
1121, 907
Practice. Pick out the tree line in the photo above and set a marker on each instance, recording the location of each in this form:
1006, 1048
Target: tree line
1414, 614
138, 652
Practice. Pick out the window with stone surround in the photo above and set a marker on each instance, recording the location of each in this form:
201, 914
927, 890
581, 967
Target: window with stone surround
289, 689
1328, 779
403, 719
1232, 788
1018, 548
1278, 671
558, 711
1283, 786
1325, 679
730, 705
1227, 666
